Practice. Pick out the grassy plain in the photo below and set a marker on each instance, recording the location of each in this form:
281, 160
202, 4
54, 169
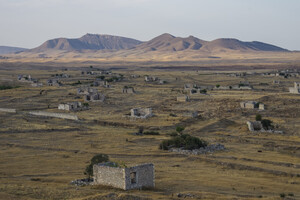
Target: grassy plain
40, 156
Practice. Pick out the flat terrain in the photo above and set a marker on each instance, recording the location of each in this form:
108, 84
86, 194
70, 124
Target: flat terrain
39, 157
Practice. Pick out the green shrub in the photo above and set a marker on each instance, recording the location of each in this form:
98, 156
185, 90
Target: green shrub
258, 117
267, 124
185, 141
7, 87
204, 91
99, 158
151, 133
218, 85
179, 129
282, 195
173, 134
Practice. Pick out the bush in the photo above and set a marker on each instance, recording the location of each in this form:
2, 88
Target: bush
218, 85
267, 124
85, 104
185, 141
7, 87
151, 133
282, 195
179, 129
258, 117
99, 158
173, 134
204, 91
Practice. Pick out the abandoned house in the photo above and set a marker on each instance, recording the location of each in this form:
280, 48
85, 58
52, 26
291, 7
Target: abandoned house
86, 90
53, 82
191, 114
252, 105
101, 83
295, 89
255, 126
151, 78
183, 98
141, 113
72, 106
136, 177
128, 90
94, 97
26, 78
36, 84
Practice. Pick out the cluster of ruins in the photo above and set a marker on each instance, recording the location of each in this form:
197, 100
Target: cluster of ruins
72, 106
252, 105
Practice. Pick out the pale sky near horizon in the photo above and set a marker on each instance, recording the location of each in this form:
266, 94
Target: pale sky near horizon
29, 23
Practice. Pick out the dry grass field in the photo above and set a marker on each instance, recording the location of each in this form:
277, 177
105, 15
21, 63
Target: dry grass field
40, 156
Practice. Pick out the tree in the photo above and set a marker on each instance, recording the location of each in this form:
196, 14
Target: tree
99, 158
258, 117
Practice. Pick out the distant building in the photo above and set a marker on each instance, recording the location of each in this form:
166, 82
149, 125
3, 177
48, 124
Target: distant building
295, 89
141, 112
136, 177
72, 106
252, 105
53, 82
183, 98
128, 90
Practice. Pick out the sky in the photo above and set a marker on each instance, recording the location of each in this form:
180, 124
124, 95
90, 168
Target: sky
29, 23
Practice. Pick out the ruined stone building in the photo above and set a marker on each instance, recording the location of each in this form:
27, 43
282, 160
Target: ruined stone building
255, 126
141, 112
183, 98
53, 82
252, 105
136, 177
295, 89
26, 78
101, 83
151, 78
128, 90
86, 90
72, 106
94, 97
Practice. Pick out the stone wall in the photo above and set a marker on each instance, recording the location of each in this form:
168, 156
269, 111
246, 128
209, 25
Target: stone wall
110, 176
124, 178
144, 176
9, 110
56, 115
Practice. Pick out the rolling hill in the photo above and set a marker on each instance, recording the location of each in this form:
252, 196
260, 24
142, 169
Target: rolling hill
6, 49
88, 42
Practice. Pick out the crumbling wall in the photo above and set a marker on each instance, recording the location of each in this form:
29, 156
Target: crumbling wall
110, 176
144, 176
56, 115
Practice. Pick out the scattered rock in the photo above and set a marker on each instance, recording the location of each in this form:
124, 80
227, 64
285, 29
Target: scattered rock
208, 149
82, 182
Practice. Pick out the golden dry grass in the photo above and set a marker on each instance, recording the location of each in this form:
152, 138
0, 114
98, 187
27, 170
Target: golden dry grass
40, 156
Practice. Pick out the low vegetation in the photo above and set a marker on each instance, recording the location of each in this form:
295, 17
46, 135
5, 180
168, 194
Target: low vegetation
99, 158
7, 87
184, 141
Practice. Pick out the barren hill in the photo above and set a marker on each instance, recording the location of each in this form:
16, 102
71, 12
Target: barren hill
88, 42
167, 42
234, 44
6, 49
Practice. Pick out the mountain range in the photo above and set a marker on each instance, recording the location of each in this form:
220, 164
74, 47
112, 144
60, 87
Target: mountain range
163, 48
164, 42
